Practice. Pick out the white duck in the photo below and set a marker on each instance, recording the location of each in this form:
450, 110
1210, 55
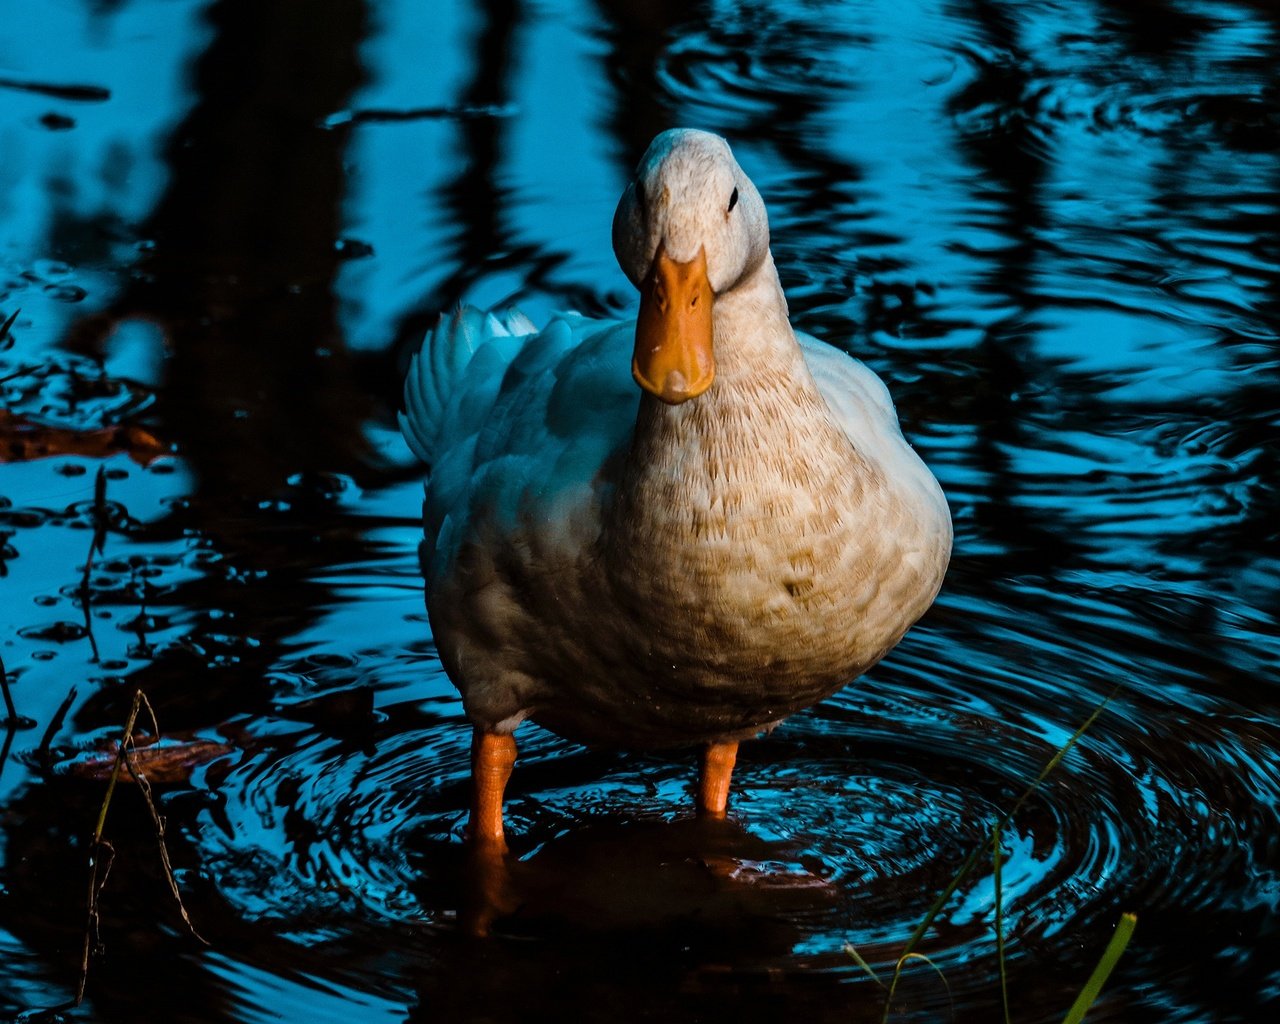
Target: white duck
687, 562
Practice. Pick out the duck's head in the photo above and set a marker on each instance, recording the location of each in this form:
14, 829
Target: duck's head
689, 228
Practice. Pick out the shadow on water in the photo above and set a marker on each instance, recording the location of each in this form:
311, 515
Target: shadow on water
1047, 225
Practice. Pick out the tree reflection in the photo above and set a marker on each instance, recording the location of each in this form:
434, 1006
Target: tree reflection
477, 201
242, 257
1010, 151
260, 398
637, 35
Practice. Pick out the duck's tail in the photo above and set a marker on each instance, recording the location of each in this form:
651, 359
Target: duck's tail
452, 350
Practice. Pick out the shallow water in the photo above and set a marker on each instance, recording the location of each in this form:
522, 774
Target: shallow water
1049, 226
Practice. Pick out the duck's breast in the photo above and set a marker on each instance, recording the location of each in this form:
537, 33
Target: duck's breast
767, 550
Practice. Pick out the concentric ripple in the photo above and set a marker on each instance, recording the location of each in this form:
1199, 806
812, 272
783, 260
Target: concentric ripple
846, 823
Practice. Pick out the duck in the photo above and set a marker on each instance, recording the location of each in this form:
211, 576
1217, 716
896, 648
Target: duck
672, 531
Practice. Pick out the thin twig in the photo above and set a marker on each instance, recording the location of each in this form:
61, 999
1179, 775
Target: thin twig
97, 543
97, 846
100, 866
125, 738
88, 627
102, 855
13, 722
9, 323
8, 697
55, 723
158, 821
6, 746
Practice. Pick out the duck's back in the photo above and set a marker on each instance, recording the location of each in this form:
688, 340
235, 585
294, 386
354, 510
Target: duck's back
508, 417
864, 409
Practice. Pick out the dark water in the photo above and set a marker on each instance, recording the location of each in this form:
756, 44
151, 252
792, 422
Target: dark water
1050, 227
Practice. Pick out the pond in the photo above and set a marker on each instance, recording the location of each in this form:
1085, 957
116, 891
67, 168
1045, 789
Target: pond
1049, 226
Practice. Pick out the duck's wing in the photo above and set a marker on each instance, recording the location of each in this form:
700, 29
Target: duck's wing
454, 376
857, 397
519, 428
859, 401
861, 405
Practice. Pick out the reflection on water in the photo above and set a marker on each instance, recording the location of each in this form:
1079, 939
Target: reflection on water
1047, 225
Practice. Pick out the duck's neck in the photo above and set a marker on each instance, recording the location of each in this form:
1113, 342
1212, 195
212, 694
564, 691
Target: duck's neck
761, 386
752, 329
748, 438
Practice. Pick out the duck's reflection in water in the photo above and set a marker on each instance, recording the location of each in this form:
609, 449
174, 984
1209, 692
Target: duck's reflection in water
668, 911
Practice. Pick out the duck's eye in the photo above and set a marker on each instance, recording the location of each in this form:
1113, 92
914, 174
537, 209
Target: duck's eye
733, 199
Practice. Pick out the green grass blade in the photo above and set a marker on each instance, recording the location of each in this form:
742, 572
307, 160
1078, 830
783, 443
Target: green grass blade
1115, 948
965, 870
976, 856
897, 974
1057, 758
857, 959
1004, 980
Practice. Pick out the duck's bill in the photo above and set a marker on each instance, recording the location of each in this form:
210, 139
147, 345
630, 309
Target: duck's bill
673, 358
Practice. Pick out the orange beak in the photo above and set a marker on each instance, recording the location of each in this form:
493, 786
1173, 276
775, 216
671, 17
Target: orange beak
673, 358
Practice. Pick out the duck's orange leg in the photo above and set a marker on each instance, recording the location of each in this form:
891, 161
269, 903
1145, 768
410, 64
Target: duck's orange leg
492, 758
490, 895
713, 783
